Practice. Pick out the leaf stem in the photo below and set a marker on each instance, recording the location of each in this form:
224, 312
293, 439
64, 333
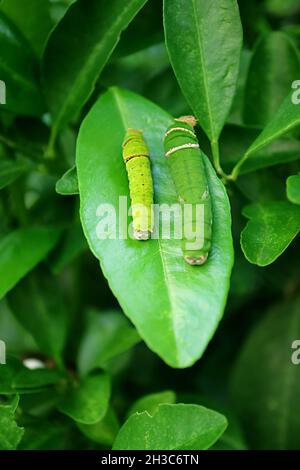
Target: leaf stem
237, 168
216, 160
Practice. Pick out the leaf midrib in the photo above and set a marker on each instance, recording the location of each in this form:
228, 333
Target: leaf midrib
203, 65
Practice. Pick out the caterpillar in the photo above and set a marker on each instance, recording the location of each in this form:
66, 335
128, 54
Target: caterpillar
137, 159
187, 170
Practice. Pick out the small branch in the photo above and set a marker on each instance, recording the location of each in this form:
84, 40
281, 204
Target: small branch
237, 168
216, 160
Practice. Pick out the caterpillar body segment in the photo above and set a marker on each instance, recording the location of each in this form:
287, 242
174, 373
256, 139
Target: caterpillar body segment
137, 159
188, 173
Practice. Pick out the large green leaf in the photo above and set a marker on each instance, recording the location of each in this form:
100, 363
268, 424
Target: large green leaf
179, 322
10, 432
17, 257
171, 427
18, 69
266, 384
36, 25
107, 335
273, 67
269, 232
47, 322
293, 188
87, 401
77, 51
204, 40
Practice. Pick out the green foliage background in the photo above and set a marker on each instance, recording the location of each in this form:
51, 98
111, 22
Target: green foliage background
143, 351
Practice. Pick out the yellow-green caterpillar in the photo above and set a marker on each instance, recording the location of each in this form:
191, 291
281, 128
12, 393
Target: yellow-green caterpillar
137, 160
188, 173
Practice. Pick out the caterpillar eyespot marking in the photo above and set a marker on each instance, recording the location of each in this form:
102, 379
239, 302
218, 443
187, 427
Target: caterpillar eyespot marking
187, 169
137, 160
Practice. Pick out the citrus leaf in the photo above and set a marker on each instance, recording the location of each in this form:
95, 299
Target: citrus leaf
293, 188
273, 67
268, 401
204, 40
17, 257
180, 427
87, 402
18, 68
179, 322
91, 32
271, 229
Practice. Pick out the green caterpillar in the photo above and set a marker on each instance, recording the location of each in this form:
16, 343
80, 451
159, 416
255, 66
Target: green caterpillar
137, 160
188, 173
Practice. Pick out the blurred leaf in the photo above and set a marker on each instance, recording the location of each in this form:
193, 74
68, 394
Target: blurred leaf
18, 340
17, 257
72, 244
285, 120
9, 171
87, 402
269, 232
16, 378
136, 70
235, 140
293, 188
266, 384
10, 432
273, 67
145, 30
18, 69
197, 295
164, 90
204, 40
36, 25
236, 111
105, 431
279, 8
48, 320
35, 378
263, 186
151, 402
180, 427
67, 185
91, 33
58, 8
107, 335
8, 372
45, 435
232, 439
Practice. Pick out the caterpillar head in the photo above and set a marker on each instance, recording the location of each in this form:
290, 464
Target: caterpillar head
191, 120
